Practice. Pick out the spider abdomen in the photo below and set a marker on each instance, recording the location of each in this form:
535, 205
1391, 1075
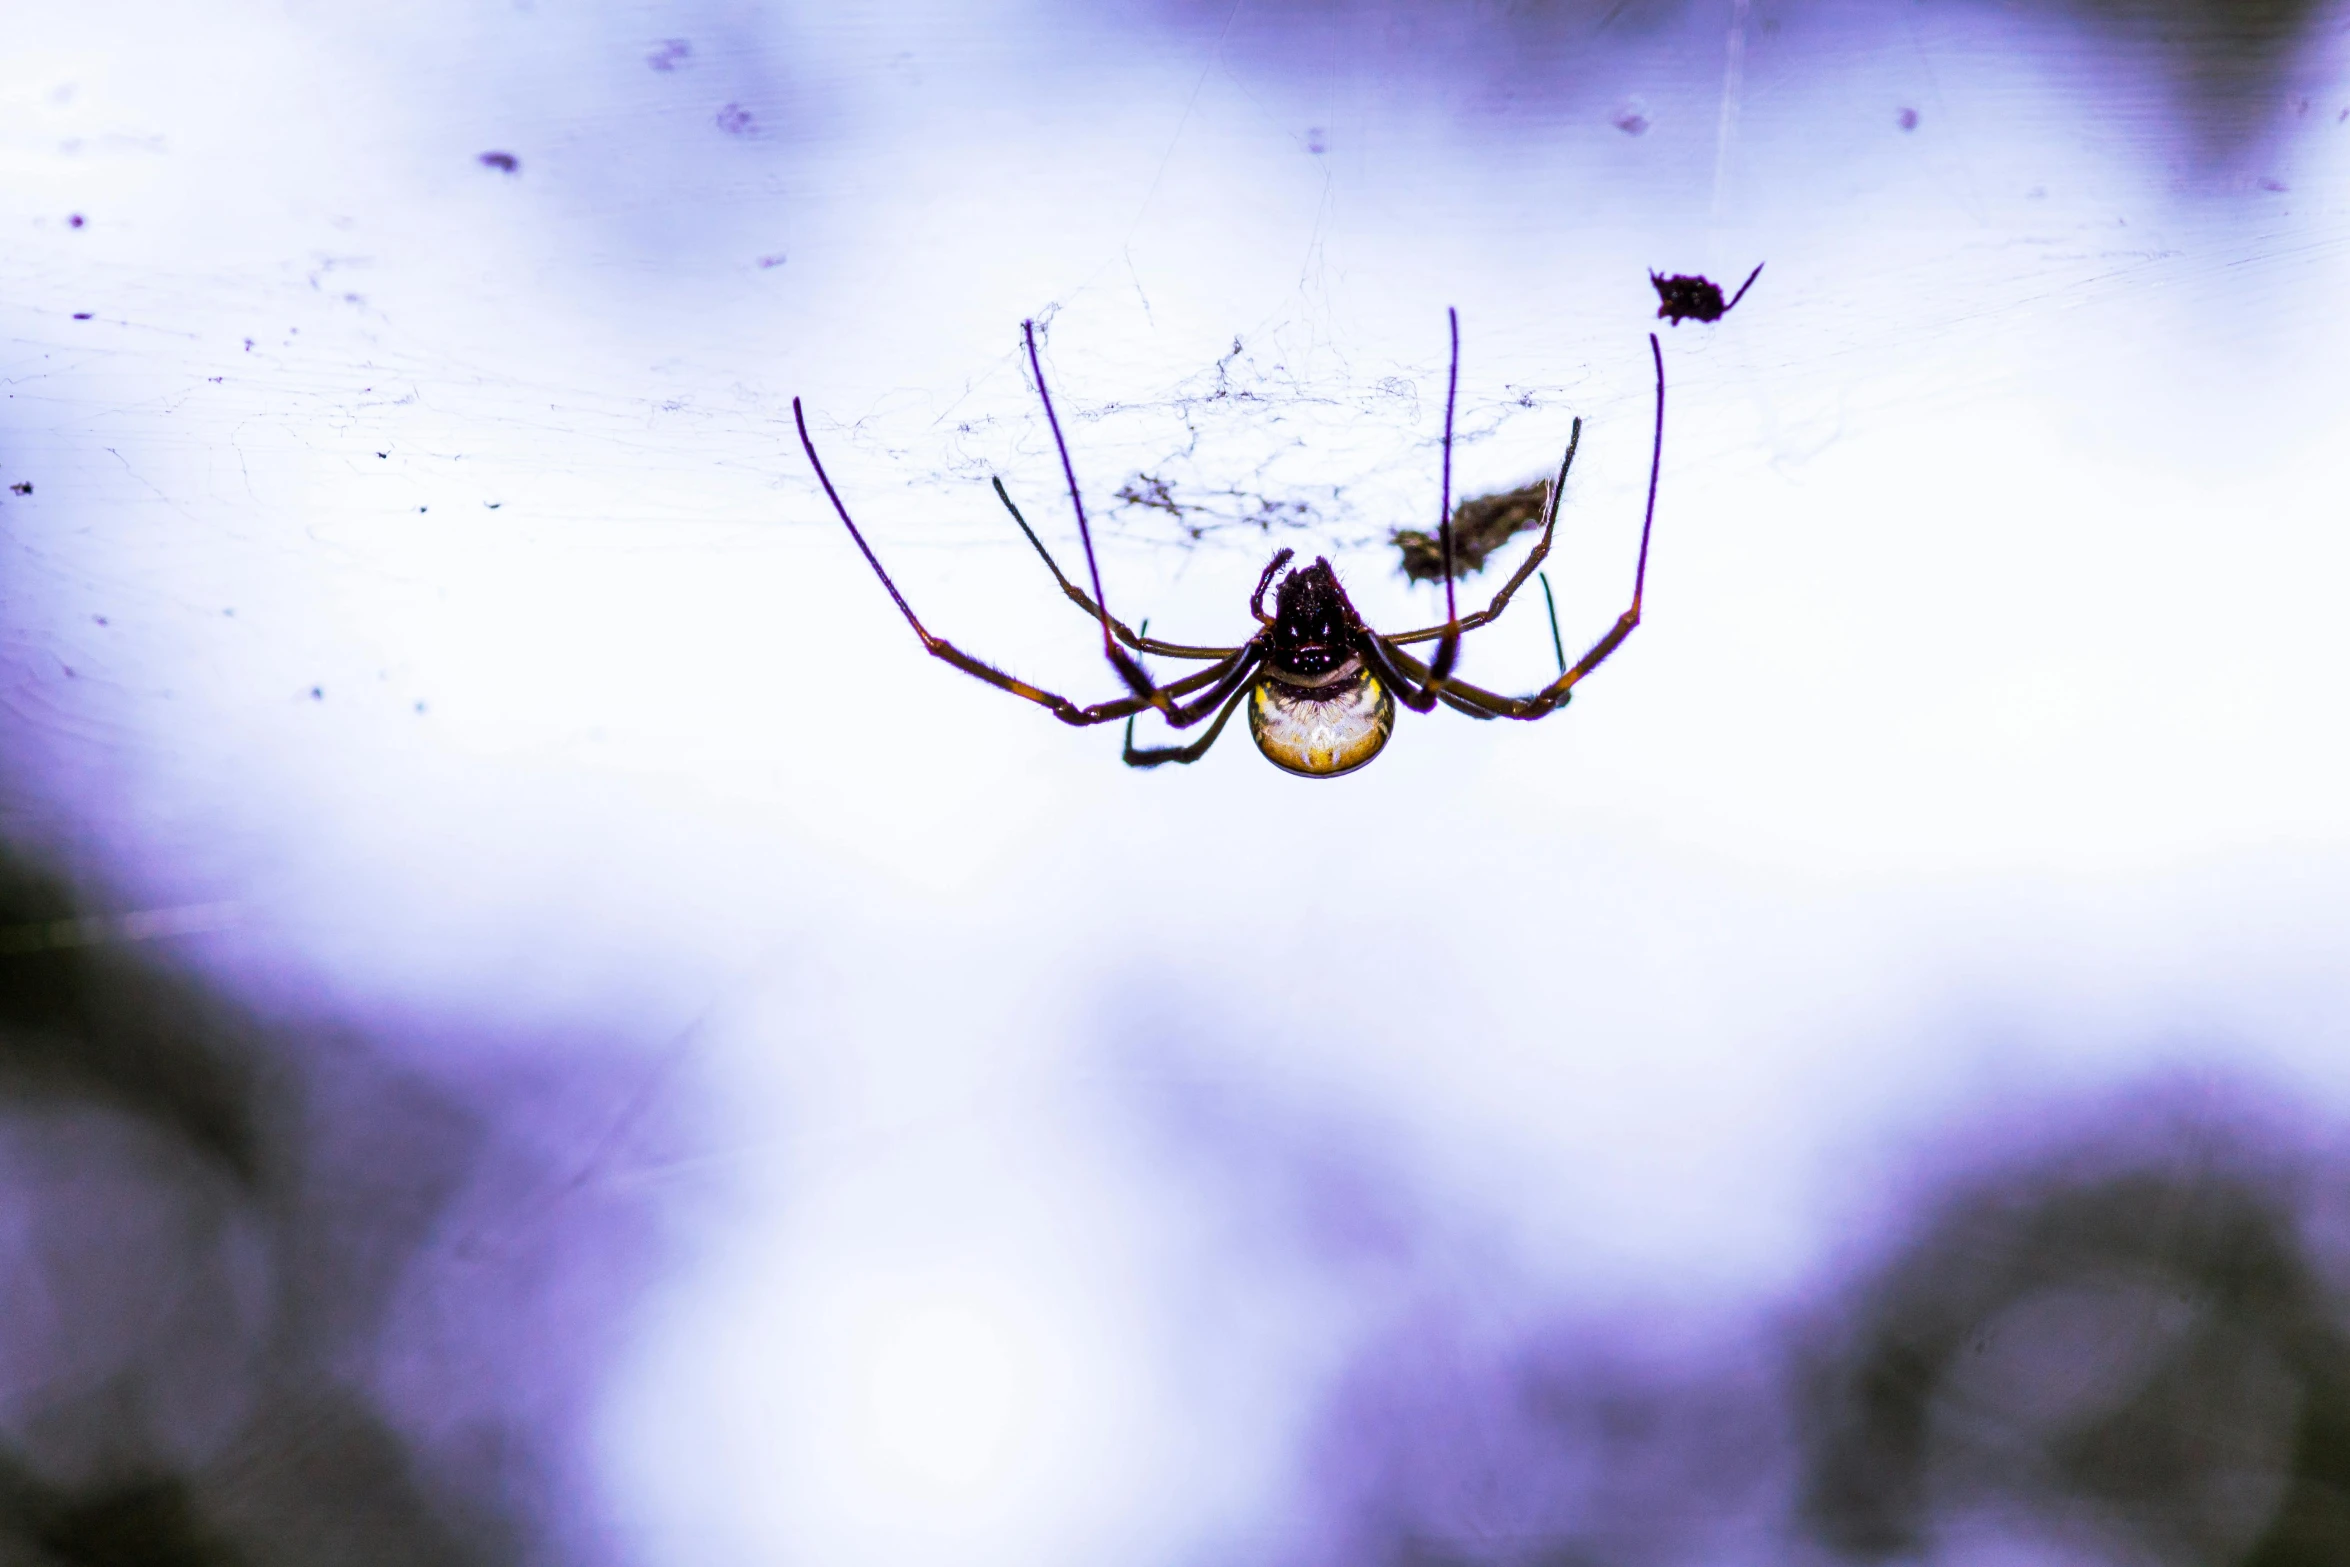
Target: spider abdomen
1321, 731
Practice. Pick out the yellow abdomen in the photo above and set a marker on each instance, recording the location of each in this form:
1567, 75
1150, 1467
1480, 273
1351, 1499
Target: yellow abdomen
1323, 731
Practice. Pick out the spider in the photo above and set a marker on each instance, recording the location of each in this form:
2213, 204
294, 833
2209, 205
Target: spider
1320, 685
1684, 298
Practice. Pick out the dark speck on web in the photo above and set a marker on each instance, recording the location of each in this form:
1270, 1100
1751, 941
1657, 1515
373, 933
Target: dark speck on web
21, 487
503, 162
736, 120
670, 54
318, 693
1908, 119
770, 261
1630, 121
75, 221
81, 315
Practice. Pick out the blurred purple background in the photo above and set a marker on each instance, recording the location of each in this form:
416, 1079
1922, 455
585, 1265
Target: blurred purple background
536, 1026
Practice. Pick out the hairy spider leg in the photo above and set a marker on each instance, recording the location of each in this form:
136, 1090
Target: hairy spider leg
1133, 639
1555, 695
1128, 670
1256, 600
1742, 288
1181, 715
1526, 568
1458, 694
1158, 755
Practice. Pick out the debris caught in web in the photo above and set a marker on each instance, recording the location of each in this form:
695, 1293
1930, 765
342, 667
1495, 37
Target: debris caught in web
1683, 297
1480, 525
1215, 510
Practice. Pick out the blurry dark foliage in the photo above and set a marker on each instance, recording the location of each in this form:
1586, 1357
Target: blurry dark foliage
1480, 525
1565, 1448
2133, 1352
2128, 1343
2229, 62
208, 1222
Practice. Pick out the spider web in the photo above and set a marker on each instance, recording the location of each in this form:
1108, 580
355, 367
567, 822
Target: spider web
1280, 438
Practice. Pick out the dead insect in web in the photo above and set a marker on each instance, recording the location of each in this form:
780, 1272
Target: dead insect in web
1480, 525
1321, 686
1681, 298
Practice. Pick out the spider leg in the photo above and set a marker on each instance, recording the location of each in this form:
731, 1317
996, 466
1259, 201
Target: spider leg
1135, 640
1221, 680
1155, 755
1137, 680
1237, 666
1415, 685
1448, 651
1556, 646
1527, 567
1459, 694
1742, 288
1554, 696
1256, 600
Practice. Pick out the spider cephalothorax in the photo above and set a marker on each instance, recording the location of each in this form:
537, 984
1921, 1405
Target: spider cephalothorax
1315, 628
1320, 684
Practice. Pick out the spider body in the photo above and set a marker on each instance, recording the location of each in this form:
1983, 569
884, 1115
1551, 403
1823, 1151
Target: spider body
1320, 684
1316, 709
